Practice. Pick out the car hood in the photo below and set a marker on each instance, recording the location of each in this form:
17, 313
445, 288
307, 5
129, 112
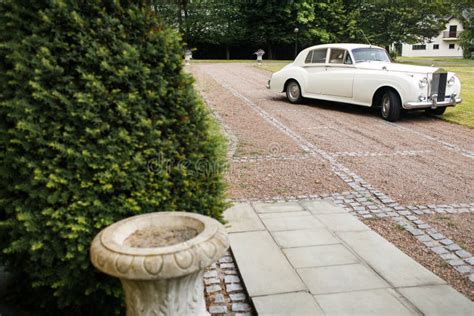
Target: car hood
396, 67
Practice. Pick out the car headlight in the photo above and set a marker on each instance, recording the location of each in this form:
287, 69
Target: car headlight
451, 81
423, 82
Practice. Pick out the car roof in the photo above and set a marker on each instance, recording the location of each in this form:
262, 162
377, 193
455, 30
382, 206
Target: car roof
349, 46
343, 45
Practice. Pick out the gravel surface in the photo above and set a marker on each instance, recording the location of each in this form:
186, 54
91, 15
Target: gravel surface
336, 130
409, 245
441, 131
255, 136
439, 176
457, 227
282, 178
417, 160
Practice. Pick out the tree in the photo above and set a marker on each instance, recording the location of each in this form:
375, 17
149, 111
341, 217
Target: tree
464, 11
98, 122
203, 22
268, 22
466, 39
325, 21
410, 21
228, 28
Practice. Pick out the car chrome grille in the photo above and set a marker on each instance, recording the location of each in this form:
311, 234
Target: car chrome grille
438, 85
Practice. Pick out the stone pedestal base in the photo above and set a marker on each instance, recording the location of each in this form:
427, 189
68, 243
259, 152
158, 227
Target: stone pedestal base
177, 296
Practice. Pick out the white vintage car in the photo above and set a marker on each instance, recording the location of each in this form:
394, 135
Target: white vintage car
364, 75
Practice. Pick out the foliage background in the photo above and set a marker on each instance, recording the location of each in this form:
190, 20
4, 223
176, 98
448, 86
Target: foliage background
237, 28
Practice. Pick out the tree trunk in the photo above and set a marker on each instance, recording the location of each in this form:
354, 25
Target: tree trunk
186, 22
180, 20
270, 53
227, 52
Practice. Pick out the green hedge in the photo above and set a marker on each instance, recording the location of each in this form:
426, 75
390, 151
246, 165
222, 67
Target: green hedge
98, 122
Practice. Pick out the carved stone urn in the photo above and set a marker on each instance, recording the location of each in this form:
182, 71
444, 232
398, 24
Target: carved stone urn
160, 259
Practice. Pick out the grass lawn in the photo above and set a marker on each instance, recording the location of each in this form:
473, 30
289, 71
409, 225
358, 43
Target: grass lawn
462, 114
247, 61
435, 60
206, 61
274, 65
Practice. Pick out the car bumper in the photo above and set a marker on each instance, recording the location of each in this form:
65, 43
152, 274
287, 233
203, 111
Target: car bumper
432, 104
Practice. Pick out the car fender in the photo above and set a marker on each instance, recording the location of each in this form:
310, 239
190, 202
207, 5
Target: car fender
366, 84
280, 78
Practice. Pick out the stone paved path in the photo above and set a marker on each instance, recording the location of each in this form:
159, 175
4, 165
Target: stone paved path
313, 257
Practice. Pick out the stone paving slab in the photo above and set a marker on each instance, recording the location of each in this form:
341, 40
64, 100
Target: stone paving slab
263, 266
282, 215
242, 217
291, 223
439, 300
346, 267
319, 256
342, 222
299, 303
389, 261
342, 278
277, 207
304, 238
370, 302
322, 207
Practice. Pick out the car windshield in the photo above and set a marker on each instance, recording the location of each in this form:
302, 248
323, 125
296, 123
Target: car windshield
370, 54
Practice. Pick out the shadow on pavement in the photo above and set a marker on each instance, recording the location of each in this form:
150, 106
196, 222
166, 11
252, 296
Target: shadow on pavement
412, 116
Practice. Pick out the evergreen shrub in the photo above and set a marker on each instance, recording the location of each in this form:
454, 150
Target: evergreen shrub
98, 122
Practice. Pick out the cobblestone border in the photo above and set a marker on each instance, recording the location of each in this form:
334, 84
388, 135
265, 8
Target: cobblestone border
225, 293
308, 155
381, 154
442, 208
452, 253
271, 158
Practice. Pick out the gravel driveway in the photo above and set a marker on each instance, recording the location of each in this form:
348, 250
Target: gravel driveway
407, 171
320, 147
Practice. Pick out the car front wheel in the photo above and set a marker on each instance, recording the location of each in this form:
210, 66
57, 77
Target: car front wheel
437, 111
391, 106
293, 92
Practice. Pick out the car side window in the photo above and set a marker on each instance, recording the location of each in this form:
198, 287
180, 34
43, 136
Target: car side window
308, 57
336, 56
348, 59
319, 56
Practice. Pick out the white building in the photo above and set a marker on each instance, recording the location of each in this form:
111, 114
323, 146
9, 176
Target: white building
446, 44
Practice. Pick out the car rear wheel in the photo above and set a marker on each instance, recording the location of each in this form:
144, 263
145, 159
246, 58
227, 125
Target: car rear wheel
437, 111
293, 92
390, 106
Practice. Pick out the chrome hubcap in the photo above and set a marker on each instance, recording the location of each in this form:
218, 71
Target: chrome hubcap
294, 91
385, 105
